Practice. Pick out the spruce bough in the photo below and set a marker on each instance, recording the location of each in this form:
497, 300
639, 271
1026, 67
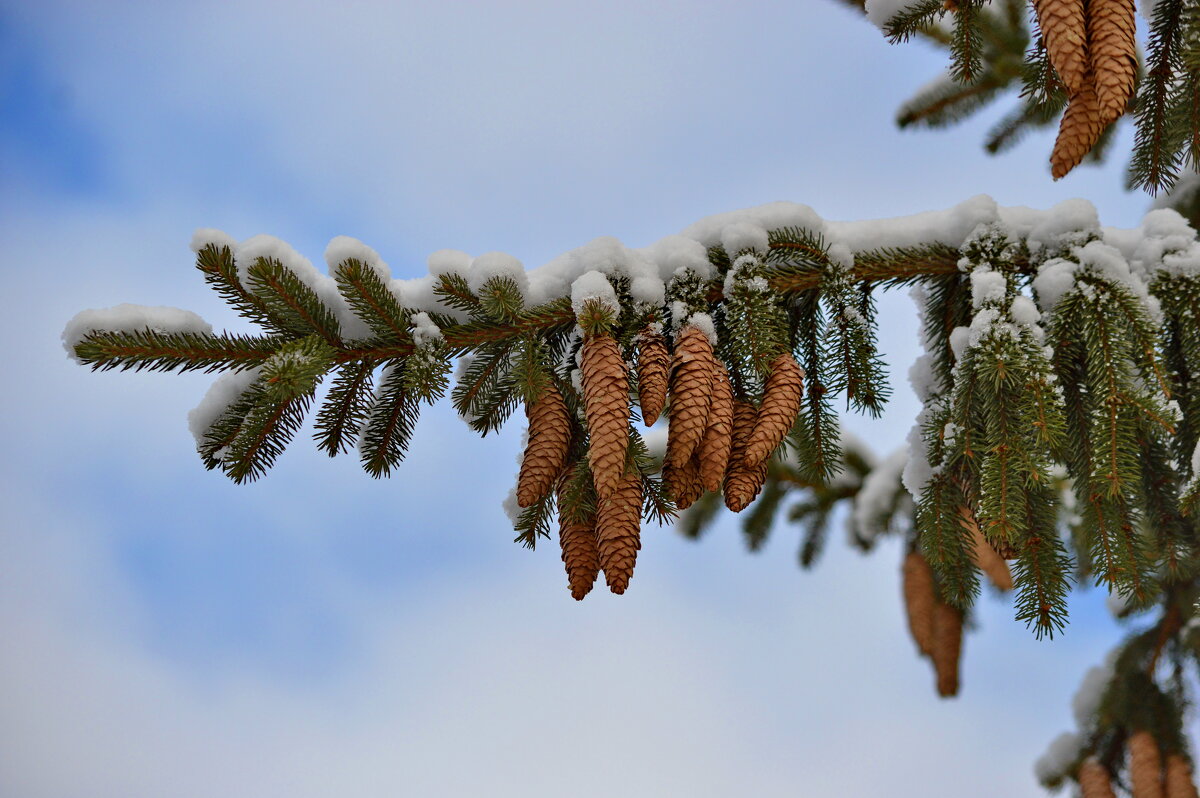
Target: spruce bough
1057, 441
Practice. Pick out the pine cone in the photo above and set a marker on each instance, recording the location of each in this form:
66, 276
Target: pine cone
1145, 765
546, 451
1113, 50
1094, 781
919, 600
1179, 778
1078, 132
947, 647
713, 452
781, 403
653, 370
1064, 32
691, 394
618, 529
985, 556
606, 404
684, 483
742, 484
579, 551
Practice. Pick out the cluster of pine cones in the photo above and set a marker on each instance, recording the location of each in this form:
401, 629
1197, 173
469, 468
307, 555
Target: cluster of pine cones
714, 442
1149, 776
1091, 46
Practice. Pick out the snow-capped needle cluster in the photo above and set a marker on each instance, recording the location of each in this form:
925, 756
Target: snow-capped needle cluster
1081, 66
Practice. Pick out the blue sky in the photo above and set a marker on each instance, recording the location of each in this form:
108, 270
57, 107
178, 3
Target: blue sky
319, 633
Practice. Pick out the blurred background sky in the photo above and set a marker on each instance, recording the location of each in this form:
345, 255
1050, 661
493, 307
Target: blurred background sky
167, 633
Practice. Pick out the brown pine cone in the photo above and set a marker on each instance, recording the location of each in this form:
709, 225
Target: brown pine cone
546, 451
919, 600
742, 484
985, 556
1094, 781
1145, 765
947, 647
1064, 32
1179, 778
781, 402
1078, 131
684, 483
653, 370
606, 405
713, 451
691, 394
618, 529
1111, 30
579, 551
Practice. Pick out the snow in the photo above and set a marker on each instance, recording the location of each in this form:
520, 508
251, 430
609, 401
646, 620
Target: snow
877, 493
1053, 229
744, 236
704, 323
497, 266
1052, 766
1086, 701
841, 256
1196, 460
343, 248
950, 227
918, 470
1146, 9
987, 286
921, 377
1023, 311
880, 11
1117, 605
1055, 278
130, 318
207, 235
223, 392
264, 246
448, 261
593, 287
424, 332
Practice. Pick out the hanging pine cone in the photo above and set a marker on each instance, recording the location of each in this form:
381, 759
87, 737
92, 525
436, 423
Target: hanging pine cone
684, 483
781, 402
1064, 32
985, 556
919, 600
713, 452
618, 529
1094, 780
947, 647
546, 451
1078, 132
1179, 781
577, 538
1145, 765
606, 404
1113, 50
691, 394
742, 484
653, 370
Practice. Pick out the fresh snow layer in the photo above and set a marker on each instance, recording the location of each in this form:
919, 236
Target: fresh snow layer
877, 494
1062, 752
1163, 242
344, 248
593, 287
879, 12
227, 388
130, 318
